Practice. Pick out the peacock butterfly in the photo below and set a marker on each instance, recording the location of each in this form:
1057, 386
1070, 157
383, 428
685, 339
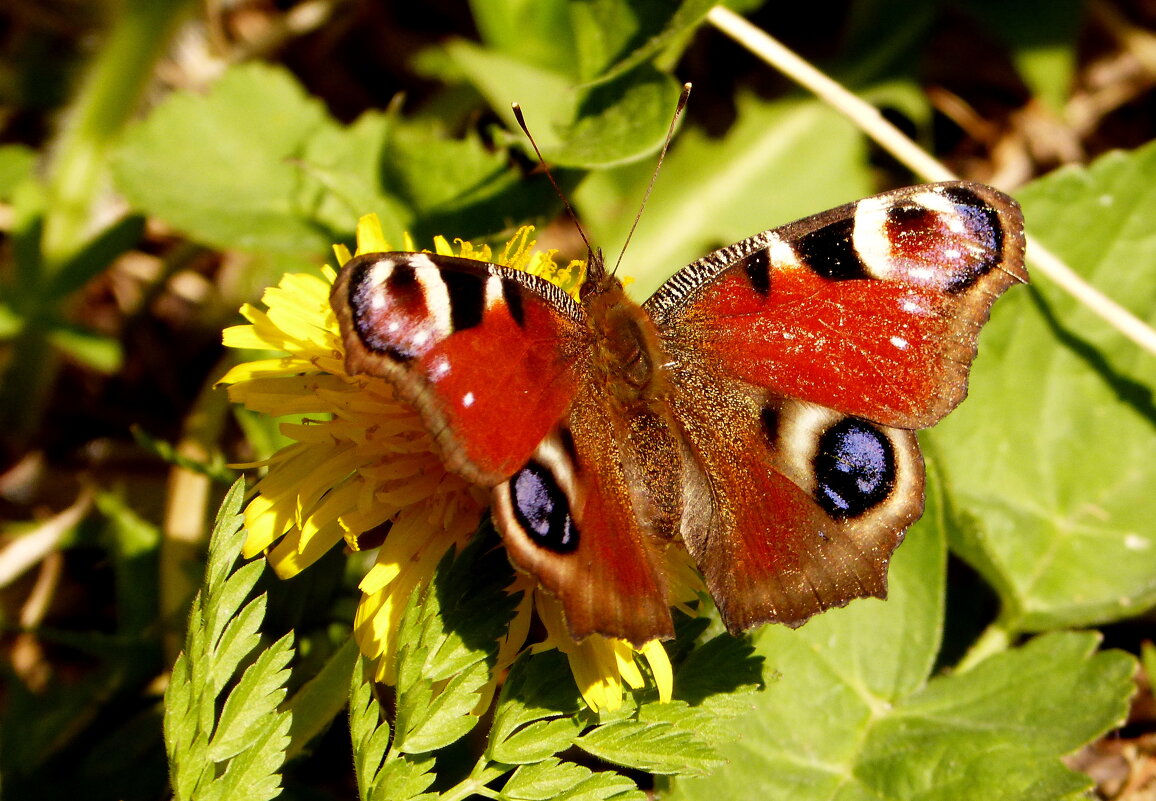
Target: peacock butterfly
760, 406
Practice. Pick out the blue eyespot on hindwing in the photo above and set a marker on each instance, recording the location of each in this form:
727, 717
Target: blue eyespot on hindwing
854, 468
542, 509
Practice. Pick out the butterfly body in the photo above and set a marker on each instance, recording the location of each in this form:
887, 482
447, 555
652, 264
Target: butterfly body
759, 407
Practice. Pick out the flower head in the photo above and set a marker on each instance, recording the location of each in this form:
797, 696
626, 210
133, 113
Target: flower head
362, 469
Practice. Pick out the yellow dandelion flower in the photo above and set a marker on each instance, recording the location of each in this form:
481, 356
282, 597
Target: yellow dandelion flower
361, 465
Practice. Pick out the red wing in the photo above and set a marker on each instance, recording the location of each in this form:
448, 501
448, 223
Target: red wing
484, 352
871, 309
585, 516
797, 508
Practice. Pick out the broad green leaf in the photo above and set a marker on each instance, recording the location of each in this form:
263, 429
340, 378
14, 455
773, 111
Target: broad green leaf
609, 124
619, 122
348, 166
615, 36
221, 167
429, 171
849, 712
778, 162
1050, 456
536, 33
547, 97
321, 699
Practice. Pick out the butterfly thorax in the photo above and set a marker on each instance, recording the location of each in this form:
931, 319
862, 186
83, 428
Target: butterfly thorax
628, 356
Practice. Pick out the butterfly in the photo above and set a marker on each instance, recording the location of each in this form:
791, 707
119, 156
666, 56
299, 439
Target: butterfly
760, 407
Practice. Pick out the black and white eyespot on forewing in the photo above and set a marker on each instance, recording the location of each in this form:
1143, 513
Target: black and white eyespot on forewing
538, 498
400, 305
944, 237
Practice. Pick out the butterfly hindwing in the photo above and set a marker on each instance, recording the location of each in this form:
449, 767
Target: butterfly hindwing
804, 505
584, 520
487, 354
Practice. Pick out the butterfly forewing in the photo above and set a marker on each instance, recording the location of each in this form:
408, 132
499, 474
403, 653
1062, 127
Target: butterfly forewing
872, 309
489, 355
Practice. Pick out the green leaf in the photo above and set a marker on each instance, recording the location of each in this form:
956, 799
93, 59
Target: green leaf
615, 37
618, 122
97, 351
252, 704
321, 699
238, 753
536, 713
555, 779
536, 33
778, 162
1050, 455
449, 640
368, 732
221, 167
849, 711
17, 164
654, 745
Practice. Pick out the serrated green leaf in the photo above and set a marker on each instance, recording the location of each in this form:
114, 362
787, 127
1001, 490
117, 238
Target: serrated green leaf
535, 715
404, 778
253, 775
447, 716
449, 638
545, 780
368, 732
603, 785
652, 746
243, 758
251, 706
1049, 456
238, 142
240, 636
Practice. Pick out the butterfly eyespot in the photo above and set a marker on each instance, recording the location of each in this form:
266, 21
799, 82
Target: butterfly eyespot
542, 509
854, 468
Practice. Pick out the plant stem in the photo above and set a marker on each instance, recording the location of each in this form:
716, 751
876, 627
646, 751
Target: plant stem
109, 95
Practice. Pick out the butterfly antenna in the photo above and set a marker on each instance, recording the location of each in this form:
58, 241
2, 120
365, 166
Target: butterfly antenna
682, 98
557, 189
